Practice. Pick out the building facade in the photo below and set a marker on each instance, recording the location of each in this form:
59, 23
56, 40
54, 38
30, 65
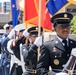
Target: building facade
5, 6
4, 12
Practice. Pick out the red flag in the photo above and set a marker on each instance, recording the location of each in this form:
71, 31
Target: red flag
30, 11
47, 25
31, 14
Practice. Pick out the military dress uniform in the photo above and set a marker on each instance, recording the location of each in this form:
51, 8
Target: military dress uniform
53, 53
30, 58
5, 57
30, 53
5, 60
17, 69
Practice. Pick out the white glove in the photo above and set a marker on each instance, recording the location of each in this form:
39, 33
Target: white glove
38, 41
25, 33
73, 52
11, 34
61, 73
9, 46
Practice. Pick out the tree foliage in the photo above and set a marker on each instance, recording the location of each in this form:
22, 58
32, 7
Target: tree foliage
73, 26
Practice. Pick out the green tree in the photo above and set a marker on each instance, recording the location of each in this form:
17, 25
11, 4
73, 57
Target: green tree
73, 25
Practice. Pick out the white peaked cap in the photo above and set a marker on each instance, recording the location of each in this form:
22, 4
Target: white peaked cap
19, 27
5, 26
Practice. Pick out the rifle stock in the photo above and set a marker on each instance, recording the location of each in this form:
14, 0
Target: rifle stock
69, 64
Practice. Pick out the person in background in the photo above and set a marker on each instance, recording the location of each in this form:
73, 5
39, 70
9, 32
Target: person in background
7, 28
30, 52
14, 45
55, 53
4, 64
8, 37
5, 55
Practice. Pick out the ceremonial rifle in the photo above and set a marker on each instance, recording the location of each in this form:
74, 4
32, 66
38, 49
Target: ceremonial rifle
69, 65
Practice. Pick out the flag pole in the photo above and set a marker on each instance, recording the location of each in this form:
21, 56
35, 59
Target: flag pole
39, 23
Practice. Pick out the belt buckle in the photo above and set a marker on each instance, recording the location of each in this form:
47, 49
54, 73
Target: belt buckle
34, 71
31, 71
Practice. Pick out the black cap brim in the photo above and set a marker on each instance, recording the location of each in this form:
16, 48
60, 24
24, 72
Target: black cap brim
34, 34
61, 15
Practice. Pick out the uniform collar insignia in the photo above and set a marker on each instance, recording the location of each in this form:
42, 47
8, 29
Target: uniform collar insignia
56, 42
54, 49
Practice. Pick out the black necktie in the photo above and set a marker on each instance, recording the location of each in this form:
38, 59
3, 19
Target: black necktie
65, 44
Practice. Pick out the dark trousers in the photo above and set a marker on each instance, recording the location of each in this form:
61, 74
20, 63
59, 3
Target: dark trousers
26, 73
16, 70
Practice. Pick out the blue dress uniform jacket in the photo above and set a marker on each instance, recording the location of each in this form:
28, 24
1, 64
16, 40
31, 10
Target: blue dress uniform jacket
4, 42
30, 57
53, 54
5, 57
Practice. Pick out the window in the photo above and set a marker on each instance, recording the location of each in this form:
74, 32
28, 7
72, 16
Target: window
6, 7
0, 7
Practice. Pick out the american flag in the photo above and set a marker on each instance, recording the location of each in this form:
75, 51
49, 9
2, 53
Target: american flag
15, 11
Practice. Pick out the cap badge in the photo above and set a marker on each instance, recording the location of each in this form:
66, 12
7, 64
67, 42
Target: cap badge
56, 62
65, 15
36, 28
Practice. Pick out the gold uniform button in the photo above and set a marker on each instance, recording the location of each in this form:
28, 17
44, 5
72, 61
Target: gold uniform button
56, 62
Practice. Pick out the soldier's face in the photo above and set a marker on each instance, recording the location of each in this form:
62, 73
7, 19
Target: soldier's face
10, 28
62, 31
32, 38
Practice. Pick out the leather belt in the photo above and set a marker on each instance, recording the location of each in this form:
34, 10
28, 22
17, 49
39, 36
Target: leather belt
30, 71
57, 70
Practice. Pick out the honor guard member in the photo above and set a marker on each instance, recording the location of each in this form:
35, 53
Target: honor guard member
16, 69
4, 41
5, 62
19, 38
55, 53
5, 57
30, 52
7, 28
